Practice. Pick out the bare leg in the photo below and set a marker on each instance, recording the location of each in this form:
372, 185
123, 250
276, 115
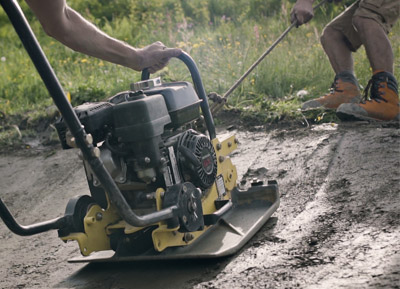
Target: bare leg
376, 43
345, 86
335, 46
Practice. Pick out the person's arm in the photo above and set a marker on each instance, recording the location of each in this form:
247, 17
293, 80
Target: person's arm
70, 28
302, 12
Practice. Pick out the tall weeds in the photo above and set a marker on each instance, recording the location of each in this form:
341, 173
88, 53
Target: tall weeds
223, 36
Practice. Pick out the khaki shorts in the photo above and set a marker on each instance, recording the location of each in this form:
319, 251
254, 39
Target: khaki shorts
385, 12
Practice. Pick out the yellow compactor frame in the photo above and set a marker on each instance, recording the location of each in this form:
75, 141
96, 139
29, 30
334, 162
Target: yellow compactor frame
99, 223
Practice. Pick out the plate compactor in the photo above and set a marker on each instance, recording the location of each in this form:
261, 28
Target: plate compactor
161, 185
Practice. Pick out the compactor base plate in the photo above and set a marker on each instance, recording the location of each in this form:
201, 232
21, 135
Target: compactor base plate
252, 209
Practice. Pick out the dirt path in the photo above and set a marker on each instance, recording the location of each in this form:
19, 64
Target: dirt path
338, 225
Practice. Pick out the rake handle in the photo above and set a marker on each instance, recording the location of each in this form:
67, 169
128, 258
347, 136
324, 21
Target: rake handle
217, 106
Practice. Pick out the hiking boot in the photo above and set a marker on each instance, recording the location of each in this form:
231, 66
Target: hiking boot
344, 90
382, 104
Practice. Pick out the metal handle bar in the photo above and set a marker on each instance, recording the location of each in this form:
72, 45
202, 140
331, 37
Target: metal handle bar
21, 26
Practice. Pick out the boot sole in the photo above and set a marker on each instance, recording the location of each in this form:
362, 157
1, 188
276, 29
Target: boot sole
321, 108
355, 117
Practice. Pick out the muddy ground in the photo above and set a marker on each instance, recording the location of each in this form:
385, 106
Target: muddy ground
338, 225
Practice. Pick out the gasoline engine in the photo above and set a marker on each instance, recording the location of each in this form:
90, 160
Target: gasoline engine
147, 140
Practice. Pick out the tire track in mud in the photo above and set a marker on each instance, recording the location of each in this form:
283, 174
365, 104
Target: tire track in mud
330, 243
300, 186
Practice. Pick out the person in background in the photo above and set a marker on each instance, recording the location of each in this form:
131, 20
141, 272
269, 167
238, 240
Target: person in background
367, 23
67, 26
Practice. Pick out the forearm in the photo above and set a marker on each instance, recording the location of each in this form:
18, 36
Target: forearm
70, 28
80, 35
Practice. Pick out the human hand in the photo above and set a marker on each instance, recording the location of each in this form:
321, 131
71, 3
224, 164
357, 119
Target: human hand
302, 12
155, 56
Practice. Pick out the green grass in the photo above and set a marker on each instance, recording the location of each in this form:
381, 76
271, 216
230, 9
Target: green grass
223, 41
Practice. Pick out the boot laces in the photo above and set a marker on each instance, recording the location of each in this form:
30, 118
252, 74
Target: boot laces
372, 91
335, 87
